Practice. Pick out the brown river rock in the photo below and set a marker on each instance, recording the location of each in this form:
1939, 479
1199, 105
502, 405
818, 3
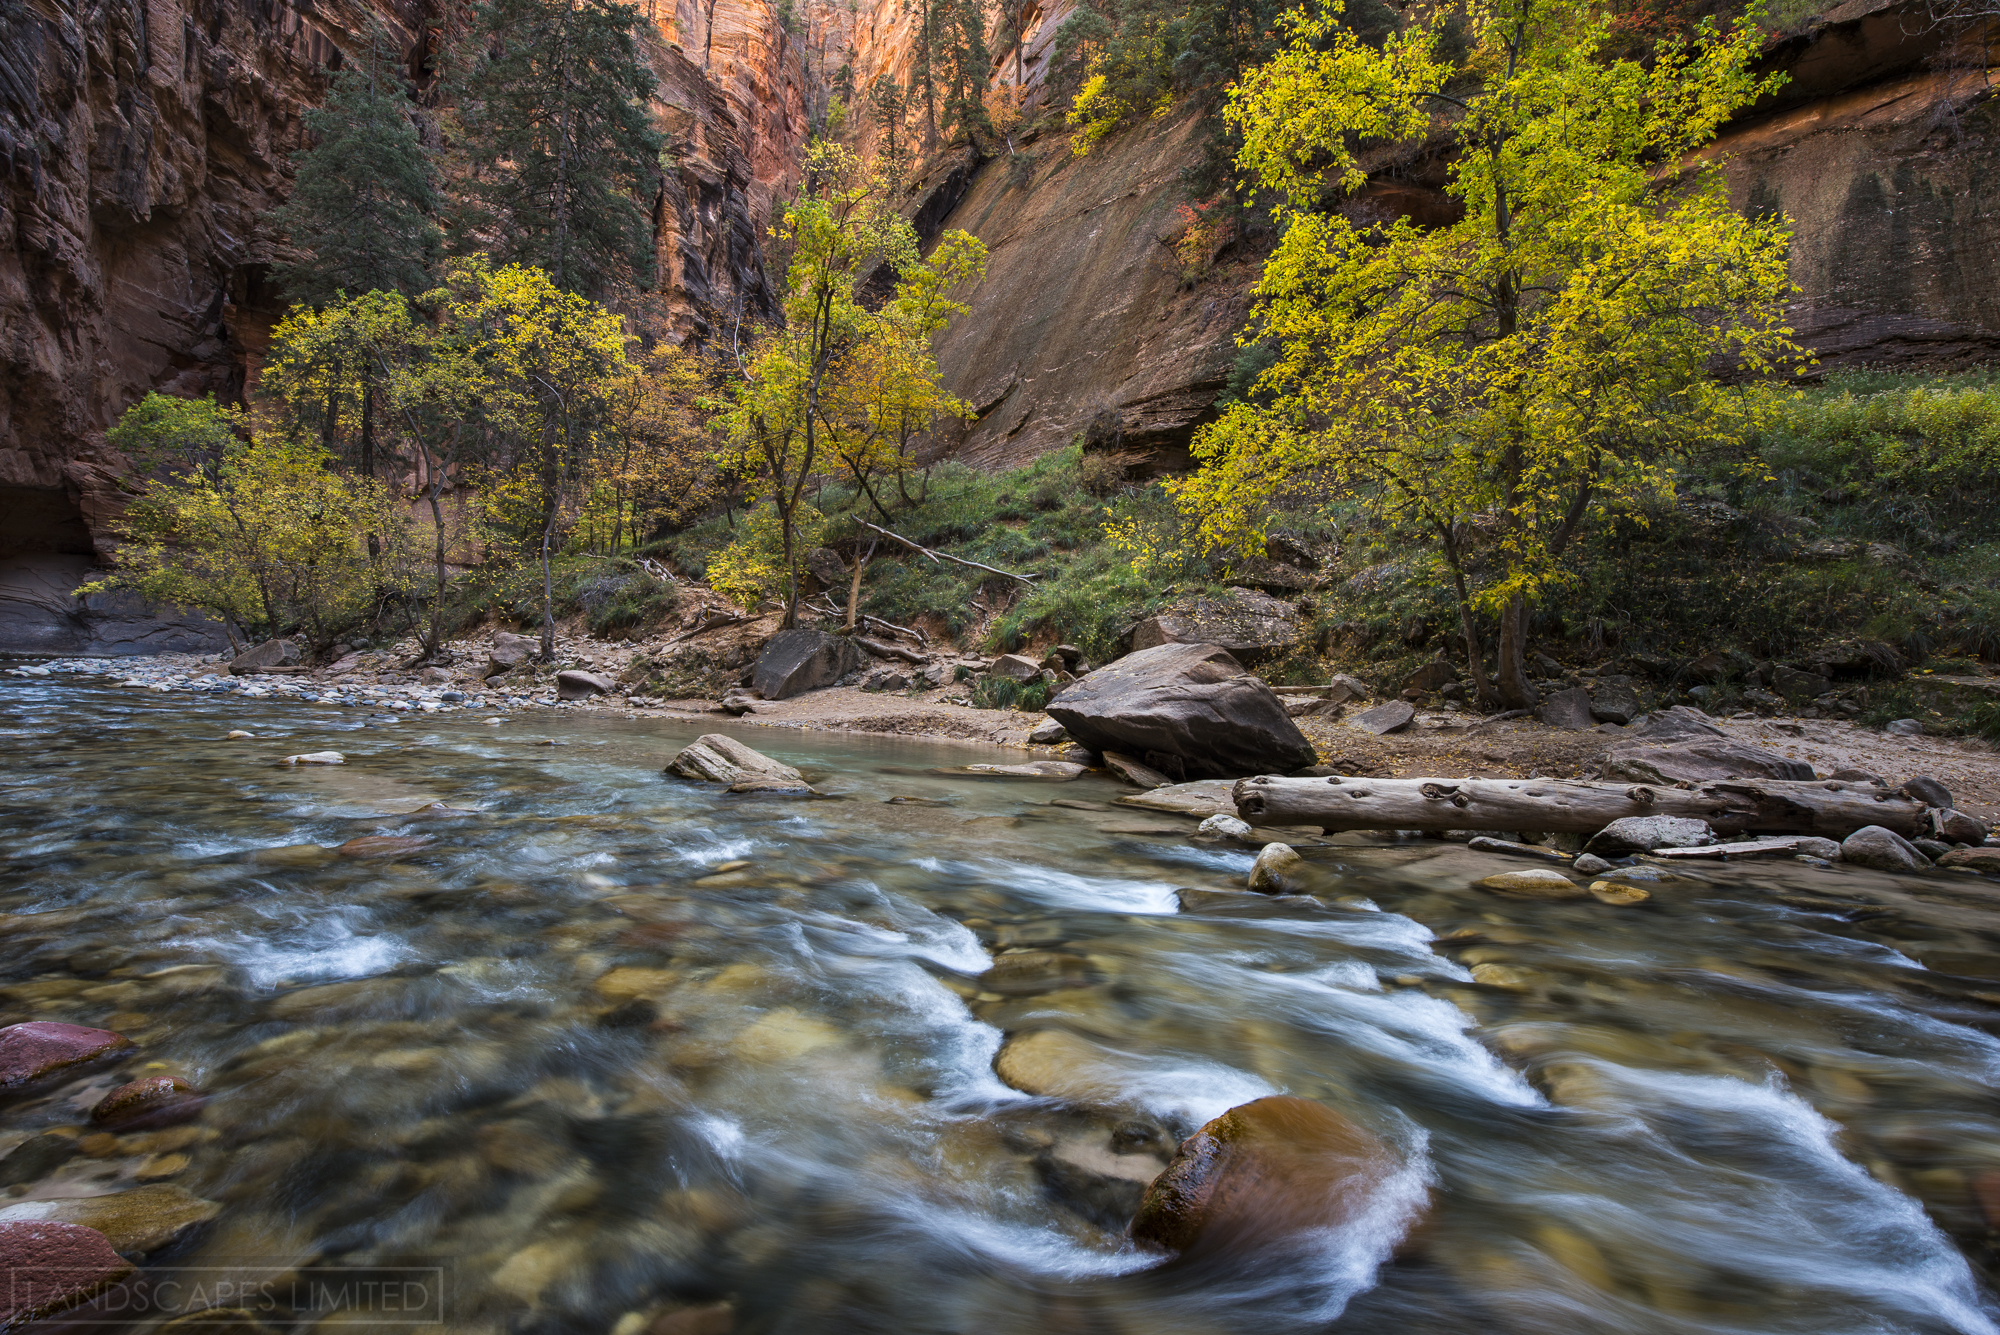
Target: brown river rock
160, 1100
1261, 1171
51, 1267
39, 1047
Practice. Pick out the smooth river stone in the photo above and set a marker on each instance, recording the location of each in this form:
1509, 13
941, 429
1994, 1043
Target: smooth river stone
1269, 1169
133, 1222
1045, 771
1030, 973
1618, 893
1056, 1064
1276, 870
51, 1267
1536, 884
41, 1047
159, 1100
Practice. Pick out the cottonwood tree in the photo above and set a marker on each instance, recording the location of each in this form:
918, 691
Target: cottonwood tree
364, 199
559, 150
1534, 367
806, 395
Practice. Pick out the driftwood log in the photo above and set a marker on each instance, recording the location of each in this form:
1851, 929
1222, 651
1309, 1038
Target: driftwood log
1827, 808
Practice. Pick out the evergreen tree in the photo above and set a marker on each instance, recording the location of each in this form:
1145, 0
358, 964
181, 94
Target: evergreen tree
363, 201
964, 66
552, 97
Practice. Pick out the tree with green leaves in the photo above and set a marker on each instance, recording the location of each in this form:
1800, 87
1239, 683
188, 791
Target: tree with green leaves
363, 203
842, 379
258, 530
964, 67
559, 149
1512, 380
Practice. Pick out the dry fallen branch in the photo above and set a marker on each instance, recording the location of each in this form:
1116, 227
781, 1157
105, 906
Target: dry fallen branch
1827, 808
922, 550
881, 650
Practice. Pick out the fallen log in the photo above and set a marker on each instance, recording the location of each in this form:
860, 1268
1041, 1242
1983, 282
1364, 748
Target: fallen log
1828, 808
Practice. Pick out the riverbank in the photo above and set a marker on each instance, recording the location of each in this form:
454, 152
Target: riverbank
1446, 742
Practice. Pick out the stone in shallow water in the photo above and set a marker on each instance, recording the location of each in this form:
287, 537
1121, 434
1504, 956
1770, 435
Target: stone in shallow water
1882, 850
1030, 973
1045, 771
36, 1158
1276, 870
1536, 884
1055, 1063
1615, 892
41, 1047
715, 758
135, 1222
315, 758
52, 1267
160, 1100
1271, 1168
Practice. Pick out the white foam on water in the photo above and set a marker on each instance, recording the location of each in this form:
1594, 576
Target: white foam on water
1799, 1208
1190, 1089
722, 1134
1070, 890
1036, 1249
1413, 1029
722, 850
300, 947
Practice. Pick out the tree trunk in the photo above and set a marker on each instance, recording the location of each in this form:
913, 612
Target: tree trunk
548, 585
1516, 691
861, 560
433, 638
1830, 810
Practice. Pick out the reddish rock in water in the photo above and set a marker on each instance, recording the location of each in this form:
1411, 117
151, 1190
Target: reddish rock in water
51, 1267
160, 1100
1262, 1171
35, 1049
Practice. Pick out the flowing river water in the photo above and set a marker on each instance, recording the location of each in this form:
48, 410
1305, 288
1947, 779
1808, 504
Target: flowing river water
608, 1049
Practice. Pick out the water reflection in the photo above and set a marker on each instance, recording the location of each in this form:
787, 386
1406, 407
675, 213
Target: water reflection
618, 1049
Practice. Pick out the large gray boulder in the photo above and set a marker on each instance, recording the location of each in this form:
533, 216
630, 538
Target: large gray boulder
1613, 700
508, 651
578, 685
796, 661
1699, 761
1252, 626
1568, 709
1881, 849
1186, 709
269, 654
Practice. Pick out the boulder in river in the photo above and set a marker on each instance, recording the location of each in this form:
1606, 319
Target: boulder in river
1186, 709
315, 758
796, 661
158, 1100
42, 1047
575, 685
1266, 1171
53, 1267
1201, 799
714, 758
269, 654
36, 1157
1643, 834
1134, 772
1276, 870
1054, 1063
1882, 850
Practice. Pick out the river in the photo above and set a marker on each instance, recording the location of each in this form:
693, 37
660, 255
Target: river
606, 1049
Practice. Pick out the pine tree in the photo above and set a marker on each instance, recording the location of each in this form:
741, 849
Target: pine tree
363, 201
964, 66
552, 97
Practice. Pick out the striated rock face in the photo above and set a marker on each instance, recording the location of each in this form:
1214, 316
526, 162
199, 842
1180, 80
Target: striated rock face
1884, 150
1082, 325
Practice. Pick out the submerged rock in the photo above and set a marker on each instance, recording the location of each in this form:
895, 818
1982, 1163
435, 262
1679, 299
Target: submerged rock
1054, 1063
1187, 708
41, 1047
52, 1267
160, 1100
133, 1222
1619, 893
1046, 771
36, 1157
714, 758
1201, 799
1260, 1172
1535, 884
1030, 973
315, 758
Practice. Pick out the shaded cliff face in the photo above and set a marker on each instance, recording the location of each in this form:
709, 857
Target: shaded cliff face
1884, 150
142, 143
1082, 324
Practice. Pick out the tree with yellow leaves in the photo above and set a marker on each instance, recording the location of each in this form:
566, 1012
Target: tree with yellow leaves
1533, 367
